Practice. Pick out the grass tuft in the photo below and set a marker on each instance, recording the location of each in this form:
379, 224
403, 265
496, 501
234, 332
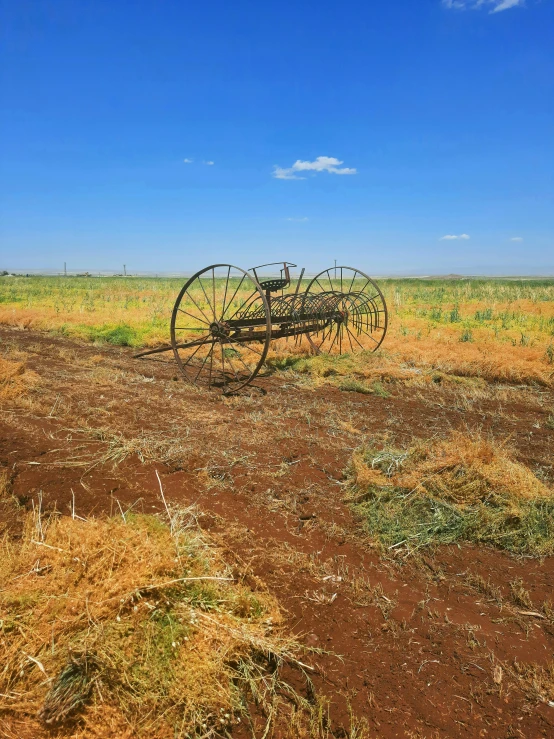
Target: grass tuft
120, 334
15, 379
351, 385
464, 488
132, 625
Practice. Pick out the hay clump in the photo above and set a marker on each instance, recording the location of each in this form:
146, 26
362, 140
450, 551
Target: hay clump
15, 379
131, 626
465, 487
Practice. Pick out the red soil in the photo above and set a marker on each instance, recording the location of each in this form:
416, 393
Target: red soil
409, 645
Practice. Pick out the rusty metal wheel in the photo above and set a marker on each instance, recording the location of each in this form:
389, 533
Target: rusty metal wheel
351, 311
212, 346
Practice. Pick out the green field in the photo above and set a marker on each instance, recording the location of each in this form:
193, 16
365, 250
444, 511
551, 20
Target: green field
476, 324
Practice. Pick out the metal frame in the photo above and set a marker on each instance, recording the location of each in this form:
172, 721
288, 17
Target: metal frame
229, 348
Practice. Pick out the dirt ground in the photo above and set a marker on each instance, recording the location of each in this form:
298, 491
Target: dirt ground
446, 643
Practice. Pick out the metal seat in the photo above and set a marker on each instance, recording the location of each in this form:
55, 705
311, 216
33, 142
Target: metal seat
271, 286
274, 283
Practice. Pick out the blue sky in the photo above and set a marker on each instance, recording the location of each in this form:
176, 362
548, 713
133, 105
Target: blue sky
361, 131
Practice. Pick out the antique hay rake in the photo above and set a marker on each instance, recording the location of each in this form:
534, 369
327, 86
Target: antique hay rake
224, 319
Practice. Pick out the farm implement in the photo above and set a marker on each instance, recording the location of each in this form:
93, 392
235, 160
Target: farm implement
225, 318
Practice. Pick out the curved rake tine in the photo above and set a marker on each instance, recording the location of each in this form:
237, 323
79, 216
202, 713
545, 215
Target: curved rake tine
252, 297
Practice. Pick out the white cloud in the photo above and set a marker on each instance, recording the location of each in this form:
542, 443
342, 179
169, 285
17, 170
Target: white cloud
320, 164
285, 174
506, 5
188, 161
453, 237
209, 163
516, 238
498, 5
298, 220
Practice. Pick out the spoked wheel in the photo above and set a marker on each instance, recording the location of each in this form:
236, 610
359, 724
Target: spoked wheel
351, 313
220, 328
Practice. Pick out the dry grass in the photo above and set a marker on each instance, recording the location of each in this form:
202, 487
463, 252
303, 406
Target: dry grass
502, 331
170, 448
443, 490
4, 483
420, 362
15, 379
491, 360
133, 627
6, 500
536, 681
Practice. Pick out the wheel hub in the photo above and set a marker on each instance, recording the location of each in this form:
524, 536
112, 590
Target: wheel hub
220, 329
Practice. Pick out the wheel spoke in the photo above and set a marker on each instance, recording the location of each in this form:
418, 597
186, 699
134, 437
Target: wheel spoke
353, 280
213, 288
349, 339
248, 369
333, 342
240, 356
206, 295
320, 285
209, 354
190, 344
225, 293
196, 318
211, 364
231, 300
232, 365
369, 336
355, 339
326, 333
199, 308
251, 349
223, 365
195, 351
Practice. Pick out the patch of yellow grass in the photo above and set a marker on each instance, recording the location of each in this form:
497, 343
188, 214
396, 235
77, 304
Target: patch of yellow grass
132, 628
443, 490
15, 379
465, 469
493, 361
508, 325
408, 359
462, 469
